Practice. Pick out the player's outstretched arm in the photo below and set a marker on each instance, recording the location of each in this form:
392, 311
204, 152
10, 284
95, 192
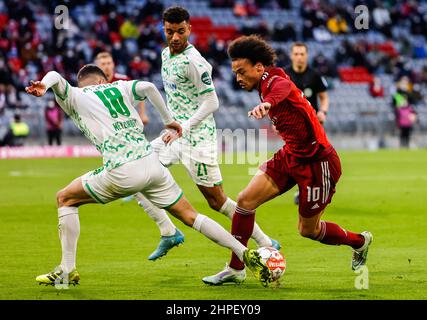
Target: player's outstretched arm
51, 80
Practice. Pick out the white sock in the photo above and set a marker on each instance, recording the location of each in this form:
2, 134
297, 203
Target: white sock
69, 231
262, 240
218, 234
166, 226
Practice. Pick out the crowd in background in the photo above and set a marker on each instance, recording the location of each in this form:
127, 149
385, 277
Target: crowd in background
30, 45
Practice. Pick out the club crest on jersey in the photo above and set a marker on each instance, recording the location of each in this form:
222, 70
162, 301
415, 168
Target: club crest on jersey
206, 79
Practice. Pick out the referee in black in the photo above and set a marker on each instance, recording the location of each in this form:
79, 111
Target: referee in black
308, 81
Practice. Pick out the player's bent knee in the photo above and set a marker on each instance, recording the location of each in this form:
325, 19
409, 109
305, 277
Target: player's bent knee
63, 198
245, 202
60, 198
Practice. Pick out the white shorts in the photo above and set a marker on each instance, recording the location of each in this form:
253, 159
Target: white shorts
146, 175
201, 161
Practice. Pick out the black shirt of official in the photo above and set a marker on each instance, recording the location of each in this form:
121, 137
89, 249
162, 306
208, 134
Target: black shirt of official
310, 82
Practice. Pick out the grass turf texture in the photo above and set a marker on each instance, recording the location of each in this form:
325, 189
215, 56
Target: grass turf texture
384, 192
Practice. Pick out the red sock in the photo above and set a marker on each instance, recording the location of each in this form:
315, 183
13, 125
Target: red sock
241, 228
332, 233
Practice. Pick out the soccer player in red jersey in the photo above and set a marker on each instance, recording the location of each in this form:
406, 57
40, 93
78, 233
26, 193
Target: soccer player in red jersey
105, 61
307, 158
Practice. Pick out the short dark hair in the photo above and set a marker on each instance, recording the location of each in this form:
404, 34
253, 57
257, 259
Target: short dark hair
176, 15
299, 44
253, 48
89, 70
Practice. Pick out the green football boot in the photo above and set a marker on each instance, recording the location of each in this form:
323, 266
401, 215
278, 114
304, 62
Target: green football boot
59, 277
254, 262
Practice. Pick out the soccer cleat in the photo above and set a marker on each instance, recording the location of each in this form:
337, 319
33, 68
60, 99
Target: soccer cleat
361, 255
166, 243
225, 276
254, 262
58, 276
275, 244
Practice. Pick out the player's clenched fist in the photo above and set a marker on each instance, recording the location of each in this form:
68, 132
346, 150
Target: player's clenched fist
36, 88
260, 111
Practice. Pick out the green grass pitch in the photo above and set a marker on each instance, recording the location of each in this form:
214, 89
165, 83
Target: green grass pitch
384, 192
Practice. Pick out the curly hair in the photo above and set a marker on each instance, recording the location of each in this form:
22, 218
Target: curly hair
253, 48
176, 15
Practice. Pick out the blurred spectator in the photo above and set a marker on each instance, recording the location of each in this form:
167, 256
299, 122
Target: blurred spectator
307, 30
382, 19
19, 131
252, 8
217, 51
254, 27
246, 8
325, 67
423, 77
282, 58
375, 88
221, 3
404, 112
129, 29
321, 34
53, 117
284, 32
337, 24
151, 9
239, 9
139, 68
284, 4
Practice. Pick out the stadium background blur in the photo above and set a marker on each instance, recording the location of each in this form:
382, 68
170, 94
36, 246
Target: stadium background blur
394, 46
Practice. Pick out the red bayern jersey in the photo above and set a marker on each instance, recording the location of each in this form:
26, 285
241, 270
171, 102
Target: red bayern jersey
119, 76
292, 114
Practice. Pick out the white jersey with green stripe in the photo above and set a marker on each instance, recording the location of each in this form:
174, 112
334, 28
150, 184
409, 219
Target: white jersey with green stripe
106, 116
187, 76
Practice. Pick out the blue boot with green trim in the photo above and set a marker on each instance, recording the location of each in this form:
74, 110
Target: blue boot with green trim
167, 243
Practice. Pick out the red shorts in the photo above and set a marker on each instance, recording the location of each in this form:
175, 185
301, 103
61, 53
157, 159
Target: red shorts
316, 177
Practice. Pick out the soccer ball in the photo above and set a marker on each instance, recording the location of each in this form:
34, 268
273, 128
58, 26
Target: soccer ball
274, 260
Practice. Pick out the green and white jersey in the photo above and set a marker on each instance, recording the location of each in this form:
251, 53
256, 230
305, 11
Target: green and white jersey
106, 116
187, 76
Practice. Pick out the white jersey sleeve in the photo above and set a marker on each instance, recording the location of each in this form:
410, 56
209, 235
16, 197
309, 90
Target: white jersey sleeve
200, 74
141, 90
61, 88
